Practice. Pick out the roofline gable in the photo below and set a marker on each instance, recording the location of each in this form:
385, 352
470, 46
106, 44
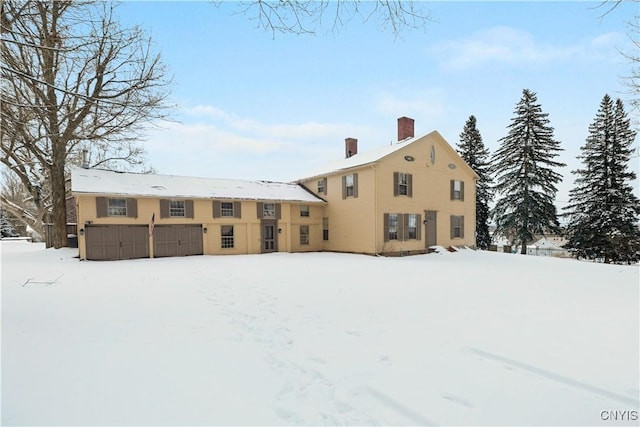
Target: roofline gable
350, 164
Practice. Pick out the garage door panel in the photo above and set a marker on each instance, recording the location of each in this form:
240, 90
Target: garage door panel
165, 241
190, 240
178, 240
114, 242
135, 242
102, 242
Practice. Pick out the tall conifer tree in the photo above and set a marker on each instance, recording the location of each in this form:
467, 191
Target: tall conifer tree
474, 153
525, 176
603, 211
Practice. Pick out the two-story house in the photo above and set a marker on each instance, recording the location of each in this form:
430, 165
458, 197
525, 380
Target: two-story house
398, 199
129, 215
402, 198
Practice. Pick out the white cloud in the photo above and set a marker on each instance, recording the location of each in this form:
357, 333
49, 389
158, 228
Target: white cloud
212, 142
287, 131
515, 47
172, 136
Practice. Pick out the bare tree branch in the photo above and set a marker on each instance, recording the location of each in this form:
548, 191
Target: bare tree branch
306, 16
72, 78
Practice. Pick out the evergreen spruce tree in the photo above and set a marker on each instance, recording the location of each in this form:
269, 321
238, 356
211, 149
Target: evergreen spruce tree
6, 226
603, 211
526, 181
473, 152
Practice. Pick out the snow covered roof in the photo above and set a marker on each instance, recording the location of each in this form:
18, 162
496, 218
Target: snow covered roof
97, 181
550, 243
361, 159
376, 154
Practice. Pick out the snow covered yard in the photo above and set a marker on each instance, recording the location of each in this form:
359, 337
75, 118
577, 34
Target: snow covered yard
471, 338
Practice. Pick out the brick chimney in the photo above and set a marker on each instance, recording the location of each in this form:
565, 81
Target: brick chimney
405, 128
350, 147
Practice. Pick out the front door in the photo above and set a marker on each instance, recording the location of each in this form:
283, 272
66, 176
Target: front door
269, 235
431, 225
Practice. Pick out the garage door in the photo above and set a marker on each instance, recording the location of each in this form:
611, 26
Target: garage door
114, 242
177, 240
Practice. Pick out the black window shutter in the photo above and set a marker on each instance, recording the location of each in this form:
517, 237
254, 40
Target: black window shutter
396, 182
101, 207
355, 185
419, 227
405, 234
164, 208
461, 227
278, 210
410, 185
385, 225
237, 213
452, 220
325, 186
188, 208
344, 187
260, 209
452, 189
216, 209
462, 190
132, 208
403, 221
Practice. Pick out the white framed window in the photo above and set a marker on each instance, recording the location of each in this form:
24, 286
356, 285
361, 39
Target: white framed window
393, 226
322, 186
403, 184
457, 190
412, 226
177, 208
325, 228
304, 210
227, 239
117, 207
269, 210
457, 227
349, 185
226, 209
304, 234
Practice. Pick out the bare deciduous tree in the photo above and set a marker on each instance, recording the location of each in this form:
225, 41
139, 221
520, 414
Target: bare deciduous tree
71, 78
632, 81
21, 204
307, 16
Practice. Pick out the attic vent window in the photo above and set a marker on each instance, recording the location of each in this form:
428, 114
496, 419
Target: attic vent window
409, 158
452, 166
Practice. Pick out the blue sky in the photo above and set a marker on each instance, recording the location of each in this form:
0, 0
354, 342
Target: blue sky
258, 105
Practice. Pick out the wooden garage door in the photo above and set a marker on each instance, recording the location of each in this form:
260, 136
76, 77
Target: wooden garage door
114, 242
177, 240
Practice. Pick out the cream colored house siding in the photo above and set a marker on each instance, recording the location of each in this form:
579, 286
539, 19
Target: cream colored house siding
350, 220
431, 185
357, 224
86, 211
247, 229
313, 222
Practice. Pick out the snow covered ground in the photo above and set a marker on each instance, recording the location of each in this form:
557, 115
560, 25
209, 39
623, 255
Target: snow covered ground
467, 338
